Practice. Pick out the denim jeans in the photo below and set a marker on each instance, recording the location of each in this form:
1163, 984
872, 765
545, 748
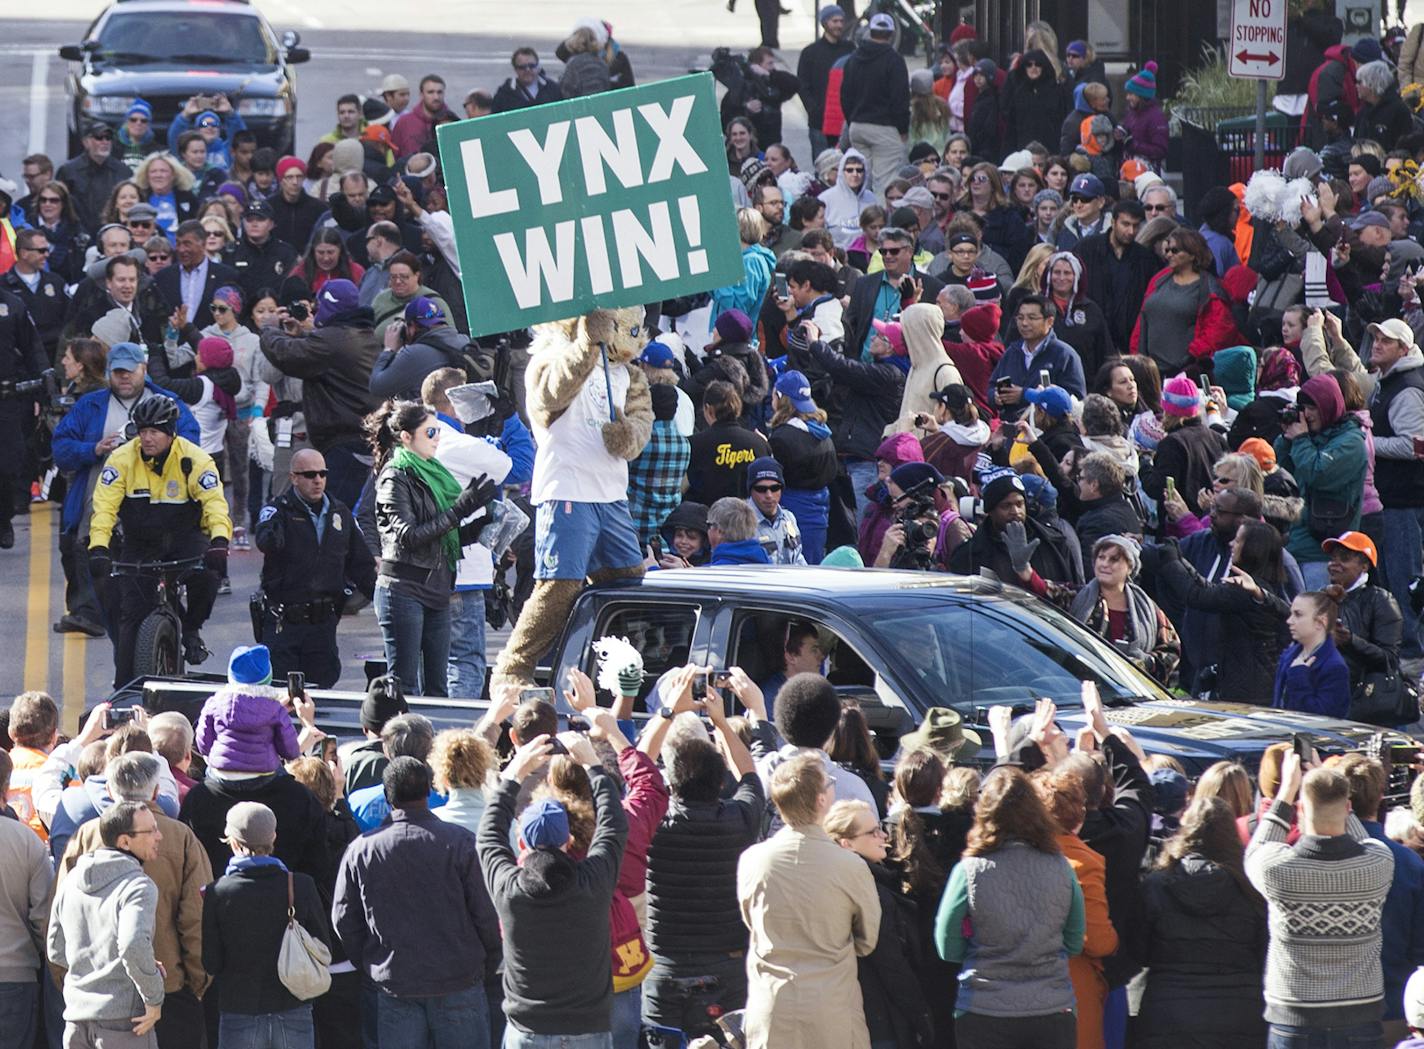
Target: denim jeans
443, 1021
19, 1009
862, 474
289, 1030
1400, 558
417, 641
465, 673
349, 464
514, 1038
1355, 1036
627, 1018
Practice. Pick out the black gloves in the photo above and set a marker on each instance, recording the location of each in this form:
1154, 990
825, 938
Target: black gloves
215, 560
478, 494
100, 562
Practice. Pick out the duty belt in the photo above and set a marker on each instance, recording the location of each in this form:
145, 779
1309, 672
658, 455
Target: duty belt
302, 612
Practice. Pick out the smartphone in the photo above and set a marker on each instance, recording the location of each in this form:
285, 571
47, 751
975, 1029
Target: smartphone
1004, 383
555, 747
116, 716
720, 679
572, 723
1171, 486
536, 695
1419, 447
1043, 377
1300, 743
296, 683
782, 288
1205, 386
699, 687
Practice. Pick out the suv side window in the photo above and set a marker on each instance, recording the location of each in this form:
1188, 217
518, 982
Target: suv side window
662, 632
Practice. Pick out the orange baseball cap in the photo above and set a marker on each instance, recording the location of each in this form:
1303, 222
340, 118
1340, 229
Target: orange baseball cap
1131, 168
1259, 450
1356, 541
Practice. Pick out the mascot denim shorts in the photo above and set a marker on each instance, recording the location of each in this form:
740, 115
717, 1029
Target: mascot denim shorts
573, 540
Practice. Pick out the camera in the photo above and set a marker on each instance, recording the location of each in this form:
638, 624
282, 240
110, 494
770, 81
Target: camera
45, 388
298, 311
917, 505
1289, 415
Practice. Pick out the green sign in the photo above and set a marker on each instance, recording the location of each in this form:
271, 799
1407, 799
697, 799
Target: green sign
609, 200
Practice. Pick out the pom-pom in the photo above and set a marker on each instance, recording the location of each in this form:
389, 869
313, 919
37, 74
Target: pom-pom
1263, 195
1150, 66
1295, 191
616, 658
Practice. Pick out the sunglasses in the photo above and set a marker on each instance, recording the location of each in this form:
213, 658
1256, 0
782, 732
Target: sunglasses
891, 251
310, 475
942, 196
38, 251
431, 432
525, 67
155, 257
979, 178
854, 170
105, 137
1171, 249
766, 489
218, 308
51, 200
1158, 207
136, 119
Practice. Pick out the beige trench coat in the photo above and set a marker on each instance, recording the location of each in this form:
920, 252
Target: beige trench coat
812, 909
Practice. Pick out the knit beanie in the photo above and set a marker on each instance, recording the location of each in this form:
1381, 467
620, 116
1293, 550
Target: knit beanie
1180, 397
981, 323
962, 32
1303, 162
346, 156
1146, 431
384, 700
249, 665
1144, 84
664, 401
922, 82
215, 352
289, 163
1045, 195
1379, 186
733, 326
1000, 488
140, 107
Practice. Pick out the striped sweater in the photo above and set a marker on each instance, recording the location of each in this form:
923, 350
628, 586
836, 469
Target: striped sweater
1325, 896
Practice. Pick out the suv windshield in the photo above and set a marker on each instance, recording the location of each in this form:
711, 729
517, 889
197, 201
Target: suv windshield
978, 654
185, 38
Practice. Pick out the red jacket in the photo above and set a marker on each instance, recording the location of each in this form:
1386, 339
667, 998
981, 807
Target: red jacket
1215, 330
833, 120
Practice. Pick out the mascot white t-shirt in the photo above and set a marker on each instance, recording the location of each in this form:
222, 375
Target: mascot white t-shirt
572, 463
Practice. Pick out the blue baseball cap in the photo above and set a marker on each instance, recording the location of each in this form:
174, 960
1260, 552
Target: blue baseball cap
796, 388
126, 356
545, 825
424, 312
1052, 399
1089, 186
657, 355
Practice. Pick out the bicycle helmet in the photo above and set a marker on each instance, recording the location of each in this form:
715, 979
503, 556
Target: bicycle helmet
157, 413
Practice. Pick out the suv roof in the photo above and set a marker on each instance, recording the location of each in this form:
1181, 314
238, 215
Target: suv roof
839, 582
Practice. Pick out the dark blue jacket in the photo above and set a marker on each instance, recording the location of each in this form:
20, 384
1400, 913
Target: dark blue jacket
1402, 923
745, 552
1065, 369
1320, 687
516, 442
83, 428
447, 944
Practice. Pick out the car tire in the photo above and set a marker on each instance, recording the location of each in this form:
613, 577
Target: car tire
74, 144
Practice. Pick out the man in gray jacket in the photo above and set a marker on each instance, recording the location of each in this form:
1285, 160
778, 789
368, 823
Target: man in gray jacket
101, 932
24, 891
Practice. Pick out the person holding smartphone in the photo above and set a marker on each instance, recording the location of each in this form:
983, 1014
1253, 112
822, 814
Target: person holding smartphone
244, 727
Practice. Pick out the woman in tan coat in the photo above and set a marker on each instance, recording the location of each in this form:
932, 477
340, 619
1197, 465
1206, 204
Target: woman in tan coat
812, 909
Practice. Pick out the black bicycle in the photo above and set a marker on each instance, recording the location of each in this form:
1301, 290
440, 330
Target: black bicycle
915, 22
158, 647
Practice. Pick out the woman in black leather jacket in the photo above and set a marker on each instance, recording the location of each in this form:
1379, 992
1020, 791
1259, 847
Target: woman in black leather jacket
419, 507
1369, 628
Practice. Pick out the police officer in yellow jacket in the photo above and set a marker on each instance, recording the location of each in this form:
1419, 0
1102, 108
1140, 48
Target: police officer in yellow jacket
164, 495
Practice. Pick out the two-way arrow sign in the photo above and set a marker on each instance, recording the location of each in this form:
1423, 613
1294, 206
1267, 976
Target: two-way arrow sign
1258, 39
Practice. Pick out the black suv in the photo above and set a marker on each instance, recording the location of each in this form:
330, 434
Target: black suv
166, 51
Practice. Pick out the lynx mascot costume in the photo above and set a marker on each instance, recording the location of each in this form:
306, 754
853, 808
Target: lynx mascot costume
591, 413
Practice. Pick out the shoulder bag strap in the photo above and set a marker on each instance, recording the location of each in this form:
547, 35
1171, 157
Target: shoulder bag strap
291, 899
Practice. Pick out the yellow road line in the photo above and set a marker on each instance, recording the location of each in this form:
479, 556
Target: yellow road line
75, 687
37, 629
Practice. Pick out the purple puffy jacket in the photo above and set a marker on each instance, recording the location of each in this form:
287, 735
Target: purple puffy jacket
243, 728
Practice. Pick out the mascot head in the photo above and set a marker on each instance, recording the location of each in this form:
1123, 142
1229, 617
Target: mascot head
622, 331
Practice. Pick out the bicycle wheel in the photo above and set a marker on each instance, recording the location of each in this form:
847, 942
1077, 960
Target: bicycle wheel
156, 651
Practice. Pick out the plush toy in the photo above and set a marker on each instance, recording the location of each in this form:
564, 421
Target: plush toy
592, 414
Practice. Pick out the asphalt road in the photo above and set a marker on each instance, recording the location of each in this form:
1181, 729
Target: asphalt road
468, 44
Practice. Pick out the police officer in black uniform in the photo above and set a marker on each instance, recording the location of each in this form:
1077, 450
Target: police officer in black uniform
312, 548
261, 260
22, 360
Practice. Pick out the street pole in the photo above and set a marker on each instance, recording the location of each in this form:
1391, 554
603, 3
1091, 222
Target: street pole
1260, 124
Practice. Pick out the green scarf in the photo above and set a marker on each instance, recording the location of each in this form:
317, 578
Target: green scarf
442, 485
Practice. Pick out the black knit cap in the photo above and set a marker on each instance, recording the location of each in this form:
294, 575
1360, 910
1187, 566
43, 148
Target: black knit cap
384, 700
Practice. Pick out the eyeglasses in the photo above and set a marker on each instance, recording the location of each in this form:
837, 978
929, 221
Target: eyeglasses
137, 119
38, 251
431, 432
981, 178
219, 308
51, 200
1031, 64
876, 831
891, 251
941, 196
101, 136
1171, 249
525, 67
310, 475
1157, 207
766, 489
154, 256
1081, 200
148, 223
856, 170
